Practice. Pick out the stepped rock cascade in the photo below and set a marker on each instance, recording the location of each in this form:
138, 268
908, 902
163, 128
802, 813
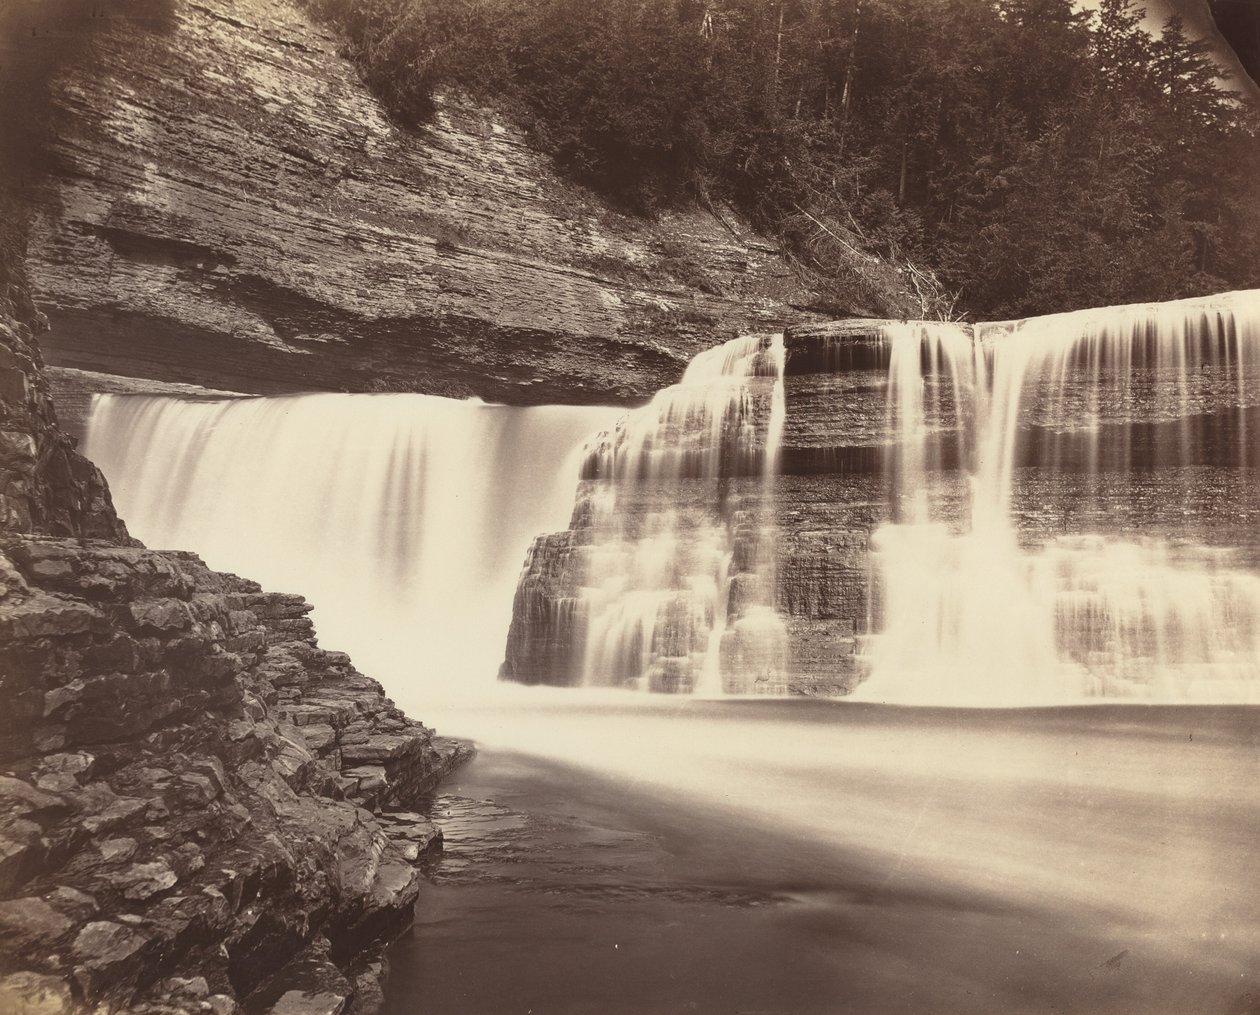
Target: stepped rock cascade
668, 569
1058, 509
403, 517
987, 604
1052, 510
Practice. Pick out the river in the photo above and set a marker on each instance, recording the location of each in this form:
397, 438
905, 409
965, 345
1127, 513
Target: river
796, 857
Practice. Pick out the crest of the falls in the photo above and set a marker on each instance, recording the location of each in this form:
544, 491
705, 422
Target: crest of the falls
978, 604
674, 588
403, 518
1058, 509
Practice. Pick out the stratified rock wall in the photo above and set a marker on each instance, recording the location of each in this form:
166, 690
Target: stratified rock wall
199, 805
832, 493
197, 789
44, 485
546, 636
829, 496
223, 203
1067, 450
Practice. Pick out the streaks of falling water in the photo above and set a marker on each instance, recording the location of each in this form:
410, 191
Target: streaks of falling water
679, 587
404, 518
971, 612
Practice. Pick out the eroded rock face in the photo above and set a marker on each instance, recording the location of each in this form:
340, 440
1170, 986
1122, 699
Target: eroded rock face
919, 463
827, 498
197, 802
198, 789
44, 485
223, 203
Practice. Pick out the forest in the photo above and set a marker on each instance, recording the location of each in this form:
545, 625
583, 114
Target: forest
1012, 157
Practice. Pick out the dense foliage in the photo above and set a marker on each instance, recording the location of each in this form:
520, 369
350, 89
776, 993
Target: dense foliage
1030, 156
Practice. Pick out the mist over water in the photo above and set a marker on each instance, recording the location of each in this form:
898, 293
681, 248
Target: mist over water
406, 518
974, 612
403, 518
625, 852
650, 854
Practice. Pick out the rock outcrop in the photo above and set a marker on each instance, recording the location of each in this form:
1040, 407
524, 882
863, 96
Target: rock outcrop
1066, 451
222, 202
199, 807
44, 485
200, 804
827, 497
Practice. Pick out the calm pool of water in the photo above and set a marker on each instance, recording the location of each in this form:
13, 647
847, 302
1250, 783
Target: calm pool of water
819, 857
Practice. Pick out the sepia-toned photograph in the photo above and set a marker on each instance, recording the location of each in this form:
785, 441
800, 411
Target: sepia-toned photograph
629, 507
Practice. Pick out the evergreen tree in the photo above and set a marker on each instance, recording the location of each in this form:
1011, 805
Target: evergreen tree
1029, 155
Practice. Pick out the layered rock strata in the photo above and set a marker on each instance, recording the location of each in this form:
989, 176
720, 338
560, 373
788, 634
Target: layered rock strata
200, 809
827, 497
1120, 430
44, 485
195, 790
223, 203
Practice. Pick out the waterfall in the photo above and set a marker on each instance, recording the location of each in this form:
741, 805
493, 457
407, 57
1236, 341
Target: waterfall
987, 603
403, 518
678, 588
1058, 509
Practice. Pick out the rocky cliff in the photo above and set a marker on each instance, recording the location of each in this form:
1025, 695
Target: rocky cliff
202, 806
44, 485
827, 496
1127, 423
200, 809
222, 202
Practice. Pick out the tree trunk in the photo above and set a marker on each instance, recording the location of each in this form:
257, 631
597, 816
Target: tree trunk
778, 50
846, 96
905, 159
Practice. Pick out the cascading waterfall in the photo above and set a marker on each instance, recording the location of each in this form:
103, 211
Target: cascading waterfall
679, 581
1070, 515
985, 604
403, 518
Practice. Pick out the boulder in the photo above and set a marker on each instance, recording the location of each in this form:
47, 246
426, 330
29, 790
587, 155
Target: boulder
30, 923
35, 994
142, 881
109, 957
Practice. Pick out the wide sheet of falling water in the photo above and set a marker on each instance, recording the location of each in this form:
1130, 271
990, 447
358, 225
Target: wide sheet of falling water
403, 518
668, 520
977, 611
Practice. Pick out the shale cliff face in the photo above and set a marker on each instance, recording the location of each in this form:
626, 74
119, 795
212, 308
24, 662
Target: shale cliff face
44, 485
223, 203
792, 598
198, 805
936, 487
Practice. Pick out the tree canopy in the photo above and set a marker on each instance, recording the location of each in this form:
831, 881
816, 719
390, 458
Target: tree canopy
1027, 156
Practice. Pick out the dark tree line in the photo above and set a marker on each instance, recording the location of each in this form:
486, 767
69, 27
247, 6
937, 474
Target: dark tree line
1027, 156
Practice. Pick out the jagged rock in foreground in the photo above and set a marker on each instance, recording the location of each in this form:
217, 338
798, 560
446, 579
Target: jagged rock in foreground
194, 788
200, 809
224, 203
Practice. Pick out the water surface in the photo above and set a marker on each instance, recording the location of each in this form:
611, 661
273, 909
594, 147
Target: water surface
629, 856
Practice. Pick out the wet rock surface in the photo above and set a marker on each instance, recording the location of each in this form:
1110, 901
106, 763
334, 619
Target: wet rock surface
44, 485
1185, 474
828, 496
